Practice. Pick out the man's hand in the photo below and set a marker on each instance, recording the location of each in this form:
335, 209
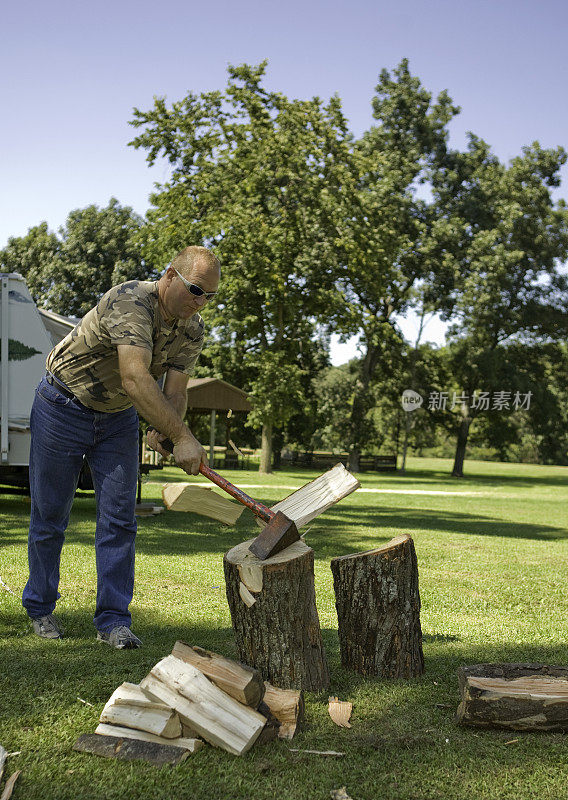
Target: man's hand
153, 439
189, 455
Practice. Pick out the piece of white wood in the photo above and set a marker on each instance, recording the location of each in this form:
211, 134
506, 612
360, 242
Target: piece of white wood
3, 756
216, 716
201, 500
247, 598
340, 711
287, 706
315, 497
166, 725
129, 707
191, 744
240, 681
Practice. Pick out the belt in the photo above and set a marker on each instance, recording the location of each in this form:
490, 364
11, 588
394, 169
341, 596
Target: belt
51, 379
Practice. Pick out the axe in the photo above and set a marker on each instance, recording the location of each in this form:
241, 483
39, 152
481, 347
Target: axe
280, 531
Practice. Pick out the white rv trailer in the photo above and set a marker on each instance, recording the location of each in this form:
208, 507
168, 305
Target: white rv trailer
27, 335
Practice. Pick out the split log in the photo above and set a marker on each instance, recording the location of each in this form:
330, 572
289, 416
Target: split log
130, 749
185, 742
311, 500
202, 706
286, 706
280, 633
3, 756
201, 500
378, 610
238, 680
521, 697
129, 707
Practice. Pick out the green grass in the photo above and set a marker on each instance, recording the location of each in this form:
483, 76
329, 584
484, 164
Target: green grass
493, 574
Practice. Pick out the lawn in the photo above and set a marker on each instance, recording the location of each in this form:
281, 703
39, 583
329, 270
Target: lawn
493, 557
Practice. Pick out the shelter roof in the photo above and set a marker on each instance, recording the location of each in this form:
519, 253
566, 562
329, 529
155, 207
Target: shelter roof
207, 394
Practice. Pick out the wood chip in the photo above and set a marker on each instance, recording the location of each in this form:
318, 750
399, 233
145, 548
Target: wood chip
340, 794
6, 587
9, 788
317, 752
512, 741
80, 699
340, 711
247, 598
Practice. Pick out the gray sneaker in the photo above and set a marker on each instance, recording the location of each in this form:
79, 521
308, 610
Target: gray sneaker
120, 638
47, 627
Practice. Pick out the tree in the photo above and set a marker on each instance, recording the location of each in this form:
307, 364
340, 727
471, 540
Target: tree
260, 178
95, 249
389, 240
499, 280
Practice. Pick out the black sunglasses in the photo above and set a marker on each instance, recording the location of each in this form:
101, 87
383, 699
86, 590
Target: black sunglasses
193, 289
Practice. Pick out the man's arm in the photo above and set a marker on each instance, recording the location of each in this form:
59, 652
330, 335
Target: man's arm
175, 391
156, 408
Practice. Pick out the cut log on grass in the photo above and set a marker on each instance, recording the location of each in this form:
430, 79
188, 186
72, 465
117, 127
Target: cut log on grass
130, 749
201, 500
201, 705
243, 683
186, 743
520, 697
3, 756
280, 634
286, 706
378, 610
129, 707
311, 500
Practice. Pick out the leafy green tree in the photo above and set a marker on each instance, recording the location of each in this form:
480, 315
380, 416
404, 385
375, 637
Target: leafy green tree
499, 280
95, 249
260, 178
390, 235
31, 255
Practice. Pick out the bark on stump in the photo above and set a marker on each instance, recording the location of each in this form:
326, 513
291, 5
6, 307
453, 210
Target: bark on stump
378, 610
520, 697
274, 615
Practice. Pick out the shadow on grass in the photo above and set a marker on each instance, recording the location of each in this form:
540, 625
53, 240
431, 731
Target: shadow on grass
342, 530
34, 669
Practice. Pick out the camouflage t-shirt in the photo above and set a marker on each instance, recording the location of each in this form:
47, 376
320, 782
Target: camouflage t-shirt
87, 359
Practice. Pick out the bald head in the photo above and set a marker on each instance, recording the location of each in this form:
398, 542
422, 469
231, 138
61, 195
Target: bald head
194, 257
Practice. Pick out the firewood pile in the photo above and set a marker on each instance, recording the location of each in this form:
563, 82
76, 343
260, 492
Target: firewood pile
191, 698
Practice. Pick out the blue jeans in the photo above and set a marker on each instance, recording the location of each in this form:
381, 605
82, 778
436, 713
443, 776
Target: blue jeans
63, 430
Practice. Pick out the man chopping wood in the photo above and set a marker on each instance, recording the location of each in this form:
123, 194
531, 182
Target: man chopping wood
97, 379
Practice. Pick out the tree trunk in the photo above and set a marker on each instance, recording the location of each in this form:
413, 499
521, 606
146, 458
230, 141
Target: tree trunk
514, 696
266, 449
378, 610
362, 402
274, 616
463, 433
407, 424
354, 457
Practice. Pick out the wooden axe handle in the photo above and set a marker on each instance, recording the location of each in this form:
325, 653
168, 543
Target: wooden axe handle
258, 509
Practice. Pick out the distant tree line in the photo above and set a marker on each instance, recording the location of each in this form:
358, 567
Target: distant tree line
322, 232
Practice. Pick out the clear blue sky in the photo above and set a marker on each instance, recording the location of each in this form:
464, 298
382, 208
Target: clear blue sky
73, 71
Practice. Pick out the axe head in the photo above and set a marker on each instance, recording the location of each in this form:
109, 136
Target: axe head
278, 534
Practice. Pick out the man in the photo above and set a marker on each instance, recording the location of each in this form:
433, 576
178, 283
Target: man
97, 378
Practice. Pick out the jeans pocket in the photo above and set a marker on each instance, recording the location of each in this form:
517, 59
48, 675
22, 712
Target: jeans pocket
47, 392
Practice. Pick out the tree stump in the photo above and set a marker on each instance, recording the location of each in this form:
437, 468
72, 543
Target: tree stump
274, 615
378, 610
520, 697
